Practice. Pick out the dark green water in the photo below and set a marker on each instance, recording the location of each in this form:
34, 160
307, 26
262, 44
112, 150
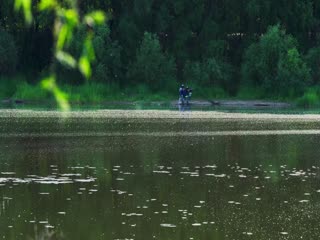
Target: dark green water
124, 185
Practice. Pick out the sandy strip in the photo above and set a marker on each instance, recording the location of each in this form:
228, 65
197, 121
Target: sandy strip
156, 114
163, 134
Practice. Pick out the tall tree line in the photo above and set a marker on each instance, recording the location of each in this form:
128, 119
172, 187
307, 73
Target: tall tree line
214, 44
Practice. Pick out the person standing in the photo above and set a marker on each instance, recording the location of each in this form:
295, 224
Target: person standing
182, 91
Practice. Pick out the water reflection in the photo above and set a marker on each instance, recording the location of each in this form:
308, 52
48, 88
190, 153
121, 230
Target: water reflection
184, 107
161, 187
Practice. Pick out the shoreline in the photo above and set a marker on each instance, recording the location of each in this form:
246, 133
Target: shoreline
170, 103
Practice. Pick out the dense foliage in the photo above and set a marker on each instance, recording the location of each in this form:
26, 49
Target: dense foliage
216, 45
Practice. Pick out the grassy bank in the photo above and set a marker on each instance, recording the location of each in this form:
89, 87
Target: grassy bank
92, 92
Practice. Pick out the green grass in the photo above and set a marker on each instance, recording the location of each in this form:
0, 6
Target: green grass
311, 98
250, 93
8, 87
92, 92
97, 93
210, 93
26, 91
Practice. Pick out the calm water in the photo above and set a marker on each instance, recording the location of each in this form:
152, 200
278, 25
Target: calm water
159, 179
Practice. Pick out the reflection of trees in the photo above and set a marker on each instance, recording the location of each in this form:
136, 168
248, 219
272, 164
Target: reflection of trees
101, 211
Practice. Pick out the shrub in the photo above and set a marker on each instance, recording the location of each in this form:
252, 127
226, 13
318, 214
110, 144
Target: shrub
194, 75
209, 73
8, 53
247, 92
108, 57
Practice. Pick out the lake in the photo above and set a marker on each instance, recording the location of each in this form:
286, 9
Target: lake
164, 175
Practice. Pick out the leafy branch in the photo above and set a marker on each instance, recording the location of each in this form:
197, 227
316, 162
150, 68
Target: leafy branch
67, 20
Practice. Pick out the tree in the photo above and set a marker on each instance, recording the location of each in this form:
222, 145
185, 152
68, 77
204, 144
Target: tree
67, 19
263, 60
213, 43
313, 61
293, 74
152, 66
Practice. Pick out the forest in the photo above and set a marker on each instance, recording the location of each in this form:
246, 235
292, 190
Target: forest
246, 49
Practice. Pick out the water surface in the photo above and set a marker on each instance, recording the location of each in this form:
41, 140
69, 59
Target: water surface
159, 176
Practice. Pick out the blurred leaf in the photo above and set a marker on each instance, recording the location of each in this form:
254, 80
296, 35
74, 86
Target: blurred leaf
26, 7
17, 5
62, 99
27, 11
47, 4
84, 66
87, 56
71, 16
66, 59
62, 37
88, 48
96, 17
69, 20
50, 85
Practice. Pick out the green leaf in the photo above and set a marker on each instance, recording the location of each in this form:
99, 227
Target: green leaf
27, 11
71, 16
84, 66
47, 4
62, 99
87, 56
62, 37
50, 85
88, 48
96, 17
66, 59
69, 20
17, 5
25, 5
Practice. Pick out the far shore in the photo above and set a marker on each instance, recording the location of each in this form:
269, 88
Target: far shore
169, 103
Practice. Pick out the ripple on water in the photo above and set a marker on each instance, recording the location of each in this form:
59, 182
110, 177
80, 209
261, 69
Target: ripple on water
168, 225
196, 224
